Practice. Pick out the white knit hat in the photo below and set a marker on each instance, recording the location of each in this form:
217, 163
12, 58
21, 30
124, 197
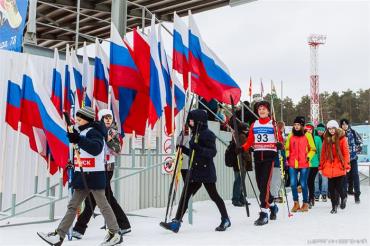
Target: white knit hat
332, 124
104, 112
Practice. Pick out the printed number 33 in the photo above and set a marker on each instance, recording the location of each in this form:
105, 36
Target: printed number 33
262, 138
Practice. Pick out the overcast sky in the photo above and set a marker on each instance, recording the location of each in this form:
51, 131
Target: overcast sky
268, 40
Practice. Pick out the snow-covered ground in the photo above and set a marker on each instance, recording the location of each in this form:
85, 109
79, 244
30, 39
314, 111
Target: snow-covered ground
349, 227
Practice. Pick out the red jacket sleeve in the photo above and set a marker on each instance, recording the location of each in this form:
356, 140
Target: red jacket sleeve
250, 139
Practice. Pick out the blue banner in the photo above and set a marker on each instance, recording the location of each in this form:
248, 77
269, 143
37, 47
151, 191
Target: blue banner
13, 14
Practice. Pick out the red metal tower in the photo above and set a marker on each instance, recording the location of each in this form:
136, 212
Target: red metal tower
314, 41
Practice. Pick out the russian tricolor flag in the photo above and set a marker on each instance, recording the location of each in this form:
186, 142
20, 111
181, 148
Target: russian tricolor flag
68, 93
169, 115
57, 91
123, 71
210, 77
77, 77
38, 112
13, 105
101, 77
157, 88
180, 54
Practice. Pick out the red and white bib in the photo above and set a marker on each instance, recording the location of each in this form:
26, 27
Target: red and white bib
264, 137
89, 162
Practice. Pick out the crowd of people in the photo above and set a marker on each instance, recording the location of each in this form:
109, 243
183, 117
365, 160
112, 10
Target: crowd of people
316, 161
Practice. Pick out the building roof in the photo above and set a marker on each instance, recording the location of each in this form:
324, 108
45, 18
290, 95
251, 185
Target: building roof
56, 19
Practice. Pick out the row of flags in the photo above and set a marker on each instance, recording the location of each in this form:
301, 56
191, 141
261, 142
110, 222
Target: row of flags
136, 81
273, 91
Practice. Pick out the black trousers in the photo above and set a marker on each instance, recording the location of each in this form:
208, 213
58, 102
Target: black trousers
84, 218
263, 171
192, 189
336, 189
311, 182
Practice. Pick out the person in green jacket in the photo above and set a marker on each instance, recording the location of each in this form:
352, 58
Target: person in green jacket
314, 163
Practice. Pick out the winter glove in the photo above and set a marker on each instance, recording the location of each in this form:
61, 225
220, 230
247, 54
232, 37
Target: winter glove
279, 146
251, 149
73, 137
308, 159
194, 146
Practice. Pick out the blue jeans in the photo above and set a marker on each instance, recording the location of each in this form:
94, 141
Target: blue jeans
293, 172
237, 189
323, 190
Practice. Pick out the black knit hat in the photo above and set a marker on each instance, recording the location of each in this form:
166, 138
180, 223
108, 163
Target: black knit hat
344, 120
86, 113
266, 104
300, 119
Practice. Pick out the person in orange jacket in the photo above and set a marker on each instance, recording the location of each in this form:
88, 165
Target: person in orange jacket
264, 141
334, 163
300, 149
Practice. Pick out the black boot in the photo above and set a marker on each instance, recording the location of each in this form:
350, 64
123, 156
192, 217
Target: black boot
334, 209
311, 203
225, 223
273, 212
262, 220
343, 203
174, 225
357, 199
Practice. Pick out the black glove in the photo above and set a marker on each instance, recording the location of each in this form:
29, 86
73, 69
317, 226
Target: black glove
194, 146
251, 149
279, 146
308, 159
73, 137
239, 150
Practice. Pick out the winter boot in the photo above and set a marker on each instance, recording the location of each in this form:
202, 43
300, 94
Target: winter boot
317, 198
238, 204
304, 207
296, 207
312, 203
124, 231
324, 199
343, 203
273, 212
112, 239
225, 223
334, 209
174, 225
77, 235
262, 220
51, 238
357, 199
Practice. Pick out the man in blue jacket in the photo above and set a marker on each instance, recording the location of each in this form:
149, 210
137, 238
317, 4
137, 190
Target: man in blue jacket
355, 147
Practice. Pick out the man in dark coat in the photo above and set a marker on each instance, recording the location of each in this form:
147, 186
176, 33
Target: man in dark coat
202, 170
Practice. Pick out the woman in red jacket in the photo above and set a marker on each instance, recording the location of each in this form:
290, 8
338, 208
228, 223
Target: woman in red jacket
334, 163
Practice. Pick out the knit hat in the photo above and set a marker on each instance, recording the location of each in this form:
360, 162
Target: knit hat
300, 119
309, 125
86, 113
332, 124
265, 104
344, 120
320, 127
104, 112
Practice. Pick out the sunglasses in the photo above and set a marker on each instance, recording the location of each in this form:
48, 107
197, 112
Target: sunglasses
108, 117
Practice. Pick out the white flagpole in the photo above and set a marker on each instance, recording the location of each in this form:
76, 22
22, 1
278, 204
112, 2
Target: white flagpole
3, 152
15, 170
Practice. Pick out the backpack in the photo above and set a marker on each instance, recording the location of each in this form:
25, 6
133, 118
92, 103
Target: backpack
230, 156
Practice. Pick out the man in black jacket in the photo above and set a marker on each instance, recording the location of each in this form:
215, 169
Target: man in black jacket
202, 170
90, 139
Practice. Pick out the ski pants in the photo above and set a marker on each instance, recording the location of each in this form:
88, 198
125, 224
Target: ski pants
192, 189
311, 182
263, 171
85, 217
336, 189
77, 198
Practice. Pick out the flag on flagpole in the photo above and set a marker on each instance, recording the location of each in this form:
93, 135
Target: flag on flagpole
101, 77
262, 90
250, 86
57, 87
210, 77
180, 56
68, 93
157, 87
